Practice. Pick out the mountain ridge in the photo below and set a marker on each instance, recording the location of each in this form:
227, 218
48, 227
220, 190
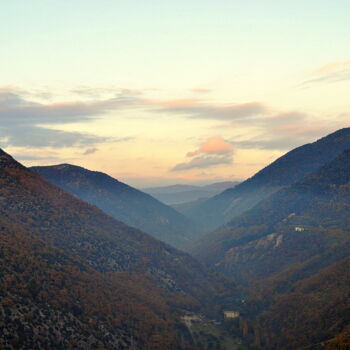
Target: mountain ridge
122, 201
303, 210
182, 194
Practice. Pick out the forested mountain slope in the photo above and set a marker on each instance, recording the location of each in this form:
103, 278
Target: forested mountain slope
66, 264
292, 254
295, 223
289, 312
123, 202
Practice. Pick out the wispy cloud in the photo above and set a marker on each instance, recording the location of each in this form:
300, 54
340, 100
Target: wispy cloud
203, 162
17, 110
100, 92
287, 130
39, 137
198, 109
35, 155
330, 73
90, 151
23, 120
201, 90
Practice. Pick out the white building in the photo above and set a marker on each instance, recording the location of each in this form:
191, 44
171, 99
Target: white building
231, 314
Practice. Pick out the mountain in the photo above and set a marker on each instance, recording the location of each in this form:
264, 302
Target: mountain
289, 227
291, 252
123, 202
178, 194
283, 172
304, 312
73, 277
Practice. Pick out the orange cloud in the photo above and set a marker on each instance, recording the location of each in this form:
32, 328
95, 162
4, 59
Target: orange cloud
201, 90
212, 145
184, 102
331, 66
330, 73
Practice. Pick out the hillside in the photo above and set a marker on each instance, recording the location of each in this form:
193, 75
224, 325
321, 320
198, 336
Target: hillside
86, 272
292, 225
179, 194
283, 172
122, 202
298, 312
50, 299
291, 252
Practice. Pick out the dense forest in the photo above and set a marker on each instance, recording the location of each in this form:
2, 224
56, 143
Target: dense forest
89, 273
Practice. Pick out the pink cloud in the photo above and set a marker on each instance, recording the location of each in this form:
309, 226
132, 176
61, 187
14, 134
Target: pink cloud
212, 145
175, 103
331, 66
201, 90
331, 72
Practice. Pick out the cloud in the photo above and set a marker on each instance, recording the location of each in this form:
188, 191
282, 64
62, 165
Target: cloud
99, 92
201, 90
25, 122
42, 137
34, 156
203, 162
279, 143
213, 145
213, 151
330, 73
90, 151
331, 66
197, 109
22, 121
14, 109
287, 130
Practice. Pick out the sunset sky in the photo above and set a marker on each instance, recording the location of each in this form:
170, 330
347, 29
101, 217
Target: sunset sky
163, 92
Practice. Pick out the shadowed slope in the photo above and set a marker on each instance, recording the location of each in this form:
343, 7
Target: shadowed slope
292, 225
291, 251
123, 202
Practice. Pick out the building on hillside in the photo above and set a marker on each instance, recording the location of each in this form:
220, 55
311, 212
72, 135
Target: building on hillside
230, 314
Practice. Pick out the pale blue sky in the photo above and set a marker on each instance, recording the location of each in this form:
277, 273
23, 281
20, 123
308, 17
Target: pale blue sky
82, 40
270, 52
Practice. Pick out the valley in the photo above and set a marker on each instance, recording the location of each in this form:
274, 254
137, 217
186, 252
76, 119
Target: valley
276, 276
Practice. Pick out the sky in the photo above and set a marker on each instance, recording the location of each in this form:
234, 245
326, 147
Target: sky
161, 92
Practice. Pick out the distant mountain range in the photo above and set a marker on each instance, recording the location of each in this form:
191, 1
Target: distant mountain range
123, 202
178, 194
74, 277
288, 169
